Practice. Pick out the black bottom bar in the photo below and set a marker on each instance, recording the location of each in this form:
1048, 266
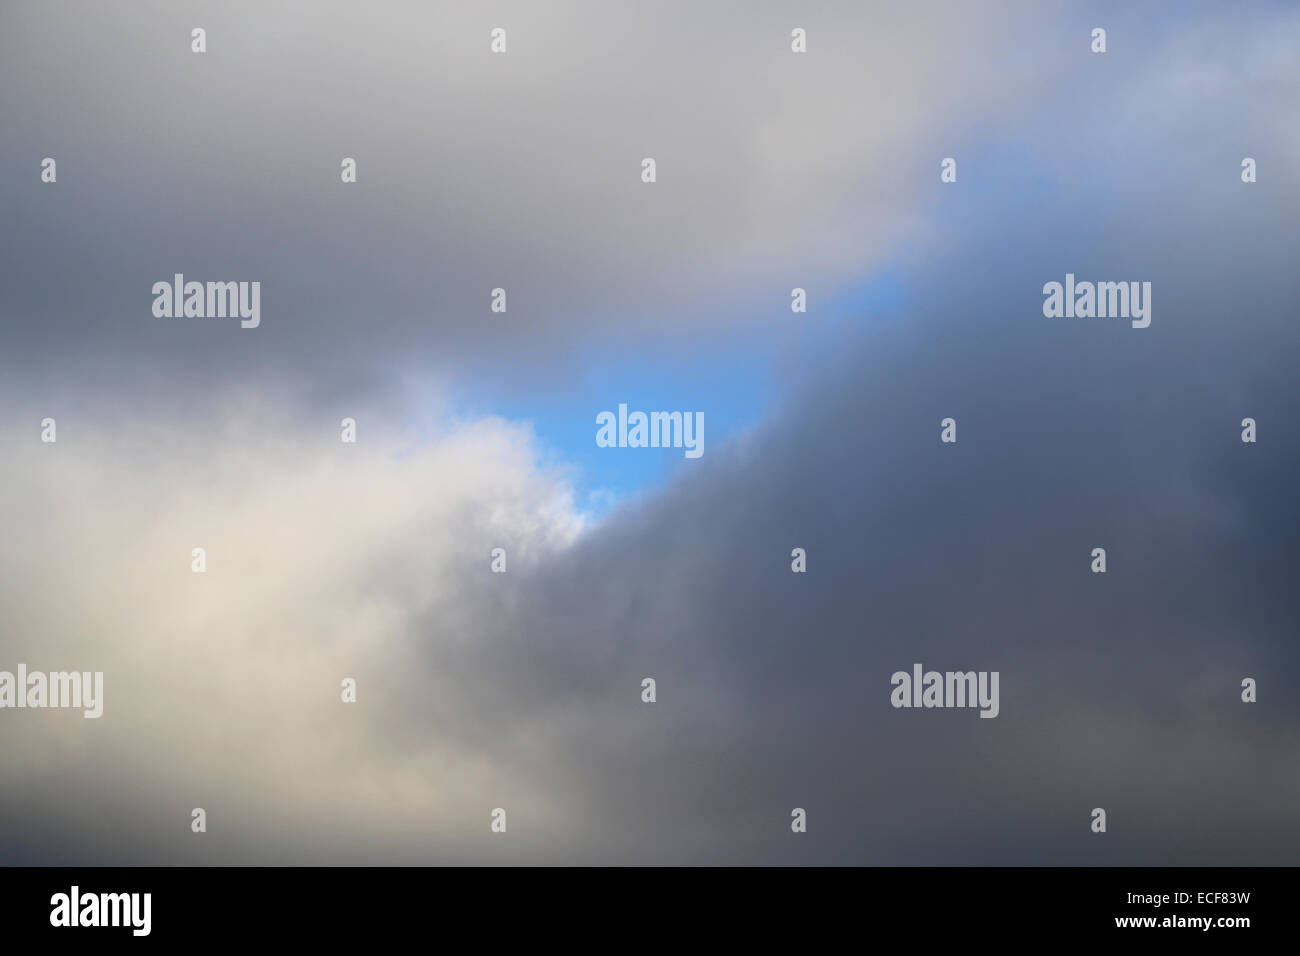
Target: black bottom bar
656, 906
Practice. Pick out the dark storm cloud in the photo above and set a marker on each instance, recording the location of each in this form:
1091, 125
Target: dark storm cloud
1120, 691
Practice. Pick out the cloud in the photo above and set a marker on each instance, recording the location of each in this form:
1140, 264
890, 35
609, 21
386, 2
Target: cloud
223, 687
475, 172
522, 690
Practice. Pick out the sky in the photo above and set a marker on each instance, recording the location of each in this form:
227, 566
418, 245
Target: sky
328, 560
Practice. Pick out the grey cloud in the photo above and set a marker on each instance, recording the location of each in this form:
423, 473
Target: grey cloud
476, 171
